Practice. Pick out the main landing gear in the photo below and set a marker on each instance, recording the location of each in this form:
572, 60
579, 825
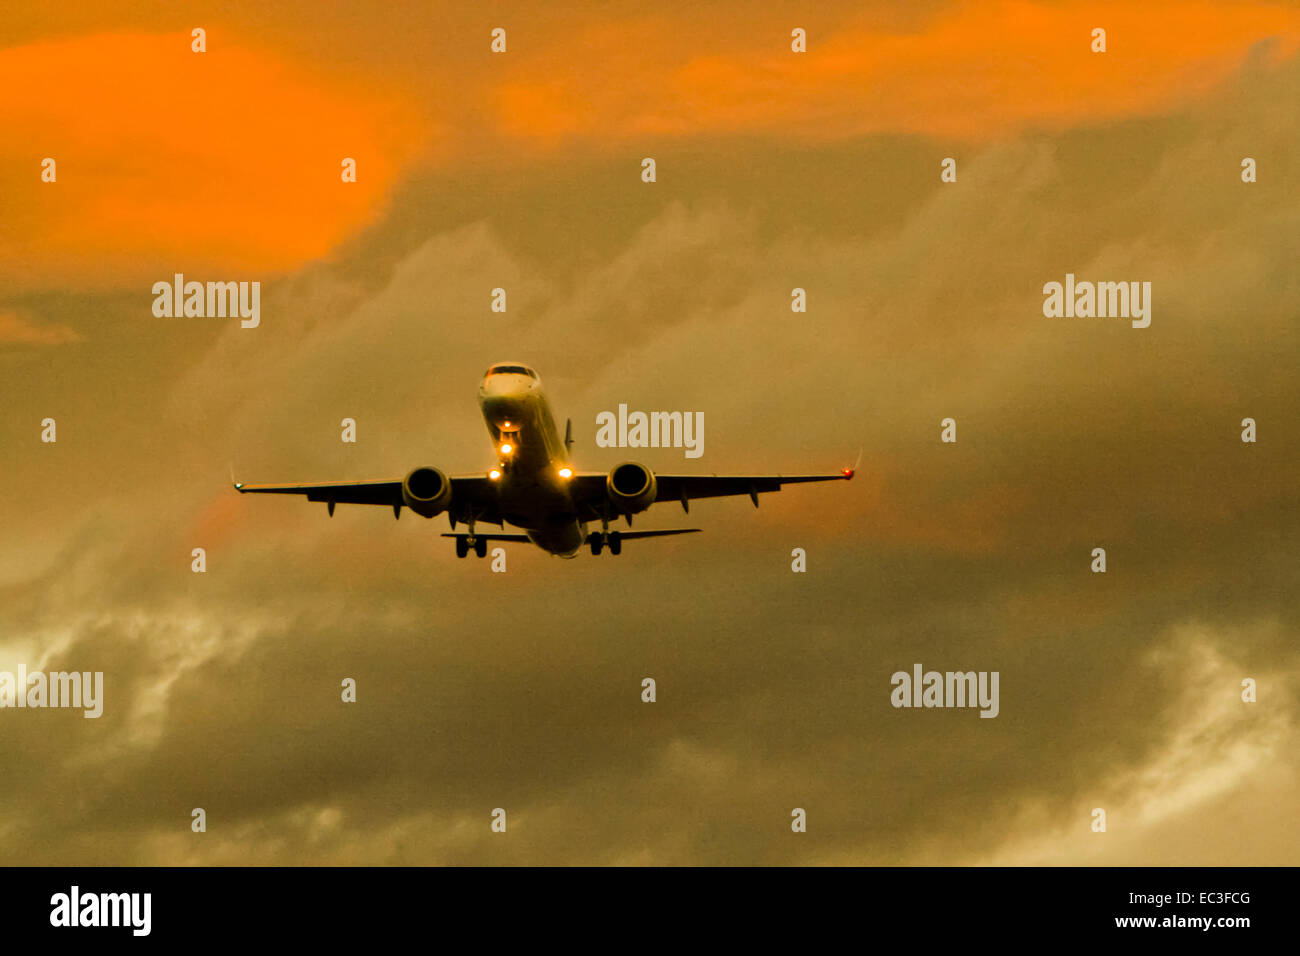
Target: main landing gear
471, 540
598, 540
463, 546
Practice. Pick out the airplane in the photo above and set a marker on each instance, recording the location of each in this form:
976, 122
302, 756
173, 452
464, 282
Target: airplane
534, 485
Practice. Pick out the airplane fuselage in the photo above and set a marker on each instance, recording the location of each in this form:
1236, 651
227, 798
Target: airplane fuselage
533, 492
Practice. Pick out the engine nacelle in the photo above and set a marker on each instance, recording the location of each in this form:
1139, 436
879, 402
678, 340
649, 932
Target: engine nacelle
427, 492
631, 487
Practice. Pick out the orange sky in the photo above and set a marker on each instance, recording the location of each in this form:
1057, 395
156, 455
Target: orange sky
229, 161
977, 72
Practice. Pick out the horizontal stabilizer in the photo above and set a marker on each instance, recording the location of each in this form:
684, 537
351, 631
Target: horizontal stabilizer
490, 537
625, 535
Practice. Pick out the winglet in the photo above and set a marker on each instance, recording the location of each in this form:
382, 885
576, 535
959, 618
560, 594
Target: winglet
238, 485
850, 472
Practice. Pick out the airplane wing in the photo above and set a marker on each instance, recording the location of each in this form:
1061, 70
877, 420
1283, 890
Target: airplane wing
683, 488
340, 492
471, 495
590, 486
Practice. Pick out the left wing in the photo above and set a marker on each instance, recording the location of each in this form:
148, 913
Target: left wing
686, 487
590, 486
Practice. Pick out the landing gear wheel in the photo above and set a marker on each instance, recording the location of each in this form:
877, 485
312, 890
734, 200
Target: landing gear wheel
615, 542
480, 547
462, 547
596, 542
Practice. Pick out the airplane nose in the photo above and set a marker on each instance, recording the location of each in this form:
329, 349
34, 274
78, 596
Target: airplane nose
500, 384
500, 400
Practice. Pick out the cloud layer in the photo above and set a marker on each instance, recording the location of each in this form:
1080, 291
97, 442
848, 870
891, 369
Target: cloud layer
522, 690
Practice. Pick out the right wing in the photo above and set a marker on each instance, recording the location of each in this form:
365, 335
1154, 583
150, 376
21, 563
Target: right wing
472, 496
339, 492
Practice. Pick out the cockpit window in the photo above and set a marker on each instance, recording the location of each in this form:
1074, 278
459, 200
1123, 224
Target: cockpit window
511, 370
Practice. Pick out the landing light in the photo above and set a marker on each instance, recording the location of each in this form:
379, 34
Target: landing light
507, 448
494, 474
566, 472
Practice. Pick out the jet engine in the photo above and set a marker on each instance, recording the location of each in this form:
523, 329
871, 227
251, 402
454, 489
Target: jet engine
427, 492
631, 487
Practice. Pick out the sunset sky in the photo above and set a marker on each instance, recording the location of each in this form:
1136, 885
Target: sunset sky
775, 170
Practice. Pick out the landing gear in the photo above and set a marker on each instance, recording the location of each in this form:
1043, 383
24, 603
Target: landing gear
471, 540
605, 538
599, 541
